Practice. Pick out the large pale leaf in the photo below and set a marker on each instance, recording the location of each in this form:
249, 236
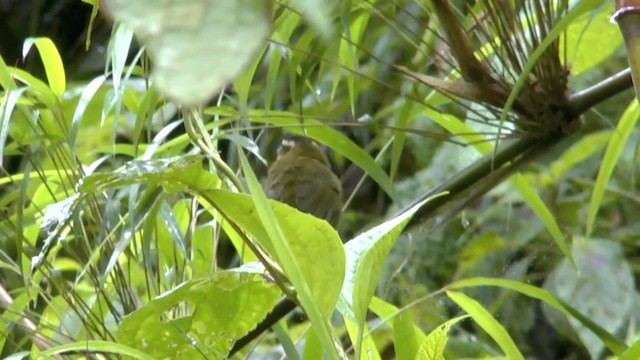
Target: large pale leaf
197, 46
602, 289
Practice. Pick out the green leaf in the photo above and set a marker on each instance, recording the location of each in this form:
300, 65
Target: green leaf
583, 149
616, 144
216, 311
197, 46
52, 63
95, 346
370, 350
405, 341
433, 346
9, 102
366, 255
528, 192
312, 241
316, 296
590, 31
614, 345
488, 323
180, 173
388, 312
632, 353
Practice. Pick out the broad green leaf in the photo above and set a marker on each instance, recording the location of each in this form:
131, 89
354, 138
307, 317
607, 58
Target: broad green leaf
528, 192
366, 255
612, 154
488, 323
197, 46
433, 346
316, 296
52, 63
614, 345
632, 353
603, 288
590, 31
216, 311
313, 242
180, 173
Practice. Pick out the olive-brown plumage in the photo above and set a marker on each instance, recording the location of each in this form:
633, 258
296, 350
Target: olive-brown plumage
301, 177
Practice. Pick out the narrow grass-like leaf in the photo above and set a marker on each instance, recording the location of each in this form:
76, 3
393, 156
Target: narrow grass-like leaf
9, 102
528, 192
52, 63
488, 323
583, 149
612, 154
96, 346
41, 91
6, 81
613, 344
87, 94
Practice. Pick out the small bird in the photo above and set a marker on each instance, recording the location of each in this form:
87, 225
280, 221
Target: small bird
301, 177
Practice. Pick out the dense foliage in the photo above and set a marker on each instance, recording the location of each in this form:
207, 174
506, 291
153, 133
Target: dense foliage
487, 150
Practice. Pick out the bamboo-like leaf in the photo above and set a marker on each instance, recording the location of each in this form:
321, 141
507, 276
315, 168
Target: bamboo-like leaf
536, 204
52, 63
613, 344
488, 323
612, 154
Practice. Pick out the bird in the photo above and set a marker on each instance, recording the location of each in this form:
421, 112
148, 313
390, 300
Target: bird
301, 177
